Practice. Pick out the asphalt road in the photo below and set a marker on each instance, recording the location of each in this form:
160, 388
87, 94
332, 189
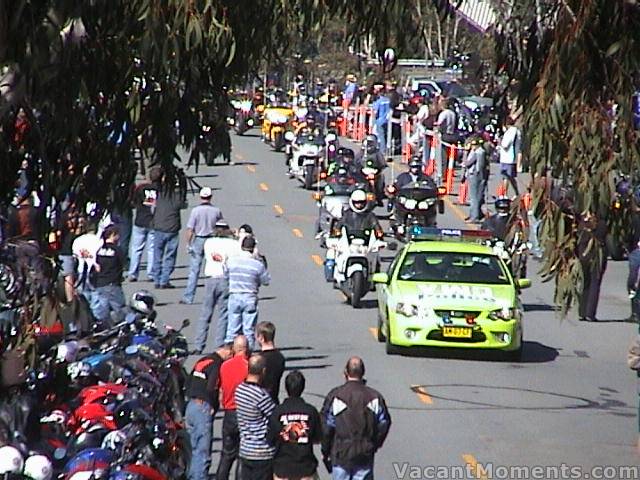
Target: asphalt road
571, 400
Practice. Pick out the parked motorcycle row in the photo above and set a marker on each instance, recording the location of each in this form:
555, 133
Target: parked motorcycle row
80, 403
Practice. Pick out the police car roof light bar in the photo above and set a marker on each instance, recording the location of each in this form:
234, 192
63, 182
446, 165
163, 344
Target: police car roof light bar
418, 232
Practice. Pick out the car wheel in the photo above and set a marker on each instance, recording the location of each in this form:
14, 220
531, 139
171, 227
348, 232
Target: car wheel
380, 335
390, 348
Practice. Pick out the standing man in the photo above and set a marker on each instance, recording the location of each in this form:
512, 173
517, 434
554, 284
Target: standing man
294, 427
202, 390
108, 277
477, 175
200, 227
255, 407
265, 334
592, 253
166, 227
381, 111
355, 424
232, 373
144, 201
510, 150
246, 274
350, 90
216, 252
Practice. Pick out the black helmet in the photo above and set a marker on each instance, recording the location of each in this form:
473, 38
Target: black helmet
503, 205
345, 152
370, 144
415, 162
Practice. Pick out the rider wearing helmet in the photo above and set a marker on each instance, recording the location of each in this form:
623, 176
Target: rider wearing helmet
11, 461
345, 158
359, 217
415, 174
499, 221
371, 157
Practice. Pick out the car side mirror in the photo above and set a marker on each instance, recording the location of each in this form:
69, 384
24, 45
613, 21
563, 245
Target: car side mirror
440, 207
523, 283
185, 323
380, 278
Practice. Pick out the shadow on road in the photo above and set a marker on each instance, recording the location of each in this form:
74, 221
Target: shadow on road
306, 357
539, 307
533, 352
368, 304
204, 175
243, 163
308, 367
286, 349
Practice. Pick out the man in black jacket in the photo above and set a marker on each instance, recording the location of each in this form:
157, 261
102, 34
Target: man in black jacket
166, 226
355, 424
294, 427
202, 391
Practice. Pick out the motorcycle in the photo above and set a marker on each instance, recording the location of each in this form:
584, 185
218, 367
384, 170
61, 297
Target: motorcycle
416, 203
333, 199
308, 158
244, 118
277, 121
356, 260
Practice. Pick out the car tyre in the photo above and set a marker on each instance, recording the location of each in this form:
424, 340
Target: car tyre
380, 335
390, 348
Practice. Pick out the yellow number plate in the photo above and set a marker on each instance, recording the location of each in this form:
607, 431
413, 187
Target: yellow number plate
457, 332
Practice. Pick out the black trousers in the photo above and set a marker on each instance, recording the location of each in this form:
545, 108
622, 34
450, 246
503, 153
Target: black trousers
588, 304
230, 444
256, 469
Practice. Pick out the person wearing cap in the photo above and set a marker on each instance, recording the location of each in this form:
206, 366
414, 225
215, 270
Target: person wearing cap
245, 274
477, 169
200, 227
166, 229
216, 252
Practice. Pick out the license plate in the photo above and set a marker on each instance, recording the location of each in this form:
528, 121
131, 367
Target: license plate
457, 332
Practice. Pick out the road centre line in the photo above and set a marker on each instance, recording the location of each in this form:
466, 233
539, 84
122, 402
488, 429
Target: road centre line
239, 157
422, 394
279, 210
317, 260
374, 332
476, 469
297, 232
264, 187
251, 168
458, 212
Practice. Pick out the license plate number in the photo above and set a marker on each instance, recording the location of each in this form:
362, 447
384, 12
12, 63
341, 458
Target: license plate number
456, 332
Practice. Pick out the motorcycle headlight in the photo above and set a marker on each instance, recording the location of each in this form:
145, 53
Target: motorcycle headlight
505, 314
407, 309
410, 203
402, 200
425, 204
328, 190
250, 122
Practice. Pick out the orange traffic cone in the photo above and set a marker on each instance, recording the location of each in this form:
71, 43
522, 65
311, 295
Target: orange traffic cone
449, 172
406, 150
463, 193
430, 167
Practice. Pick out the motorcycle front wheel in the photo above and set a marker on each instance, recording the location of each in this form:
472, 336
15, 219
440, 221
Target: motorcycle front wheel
357, 289
308, 177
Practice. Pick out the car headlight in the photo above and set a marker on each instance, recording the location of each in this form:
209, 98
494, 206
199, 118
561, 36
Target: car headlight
425, 204
407, 309
505, 314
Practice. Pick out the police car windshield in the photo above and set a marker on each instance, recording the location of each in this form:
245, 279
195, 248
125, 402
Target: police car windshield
452, 267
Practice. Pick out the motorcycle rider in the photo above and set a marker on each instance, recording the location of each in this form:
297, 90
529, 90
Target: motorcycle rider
371, 156
414, 174
359, 217
345, 158
498, 222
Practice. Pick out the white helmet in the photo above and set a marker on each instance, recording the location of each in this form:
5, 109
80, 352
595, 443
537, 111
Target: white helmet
114, 440
38, 467
143, 302
11, 460
358, 197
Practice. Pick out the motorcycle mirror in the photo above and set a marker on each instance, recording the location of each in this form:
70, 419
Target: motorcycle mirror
393, 246
185, 323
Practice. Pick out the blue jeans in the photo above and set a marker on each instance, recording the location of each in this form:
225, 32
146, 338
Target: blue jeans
107, 299
216, 293
381, 133
165, 250
197, 255
534, 225
243, 315
356, 473
199, 419
140, 238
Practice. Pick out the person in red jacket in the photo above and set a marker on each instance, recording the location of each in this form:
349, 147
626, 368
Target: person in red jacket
232, 373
